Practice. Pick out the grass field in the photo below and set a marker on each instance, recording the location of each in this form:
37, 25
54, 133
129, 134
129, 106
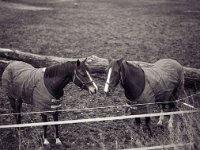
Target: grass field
143, 30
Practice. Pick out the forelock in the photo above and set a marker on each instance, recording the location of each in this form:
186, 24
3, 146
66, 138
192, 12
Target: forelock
115, 66
83, 67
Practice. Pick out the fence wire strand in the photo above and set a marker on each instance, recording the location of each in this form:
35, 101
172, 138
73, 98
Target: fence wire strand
105, 107
161, 146
91, 120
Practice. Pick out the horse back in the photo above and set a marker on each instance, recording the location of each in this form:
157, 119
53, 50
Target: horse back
164, 77
19, 80
170, 66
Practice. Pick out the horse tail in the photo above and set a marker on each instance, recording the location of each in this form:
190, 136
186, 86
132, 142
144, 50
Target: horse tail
179, 89
6, 79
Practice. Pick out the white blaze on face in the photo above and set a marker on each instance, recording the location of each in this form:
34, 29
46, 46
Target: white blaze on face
94, 84
108, 80
43, 69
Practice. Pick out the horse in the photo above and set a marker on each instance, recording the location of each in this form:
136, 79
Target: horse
161, 82
42, 88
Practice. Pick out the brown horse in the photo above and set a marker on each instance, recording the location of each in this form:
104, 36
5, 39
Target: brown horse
162, 82
43, 87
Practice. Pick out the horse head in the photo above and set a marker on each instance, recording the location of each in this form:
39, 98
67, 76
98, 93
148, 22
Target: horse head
82, 77
113, 75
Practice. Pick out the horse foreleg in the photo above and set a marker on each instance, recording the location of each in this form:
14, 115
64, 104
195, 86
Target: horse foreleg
127, 109
44, 119
147, 122
137, 121
161, 118
171, 120
55, 117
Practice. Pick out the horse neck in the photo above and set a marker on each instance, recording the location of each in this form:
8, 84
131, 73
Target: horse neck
57, 77
132, 80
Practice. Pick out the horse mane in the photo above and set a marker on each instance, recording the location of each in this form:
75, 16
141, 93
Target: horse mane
134, 84
126, 64
59, 69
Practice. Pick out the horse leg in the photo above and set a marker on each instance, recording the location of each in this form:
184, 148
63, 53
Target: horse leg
138, 121
127, 109
147, 122
18, 108
161, 118
13, 105
171, 120
44, 119
175, 95
138, 125
55, 117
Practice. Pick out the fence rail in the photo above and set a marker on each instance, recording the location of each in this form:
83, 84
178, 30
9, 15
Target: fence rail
106, 107
101, 119
90, 120
162, 146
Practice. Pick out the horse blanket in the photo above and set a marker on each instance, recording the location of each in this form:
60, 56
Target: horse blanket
161, 80
22, 81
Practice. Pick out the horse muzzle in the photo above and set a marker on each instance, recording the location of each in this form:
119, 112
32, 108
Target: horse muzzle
92, 90
107, 91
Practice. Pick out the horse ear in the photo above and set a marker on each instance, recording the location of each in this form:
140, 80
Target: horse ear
85, 60
110, 59
120, 60
78, 63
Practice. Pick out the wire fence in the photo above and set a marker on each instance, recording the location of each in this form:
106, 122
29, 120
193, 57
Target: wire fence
106, 107
163, 146
90, 120
115, 118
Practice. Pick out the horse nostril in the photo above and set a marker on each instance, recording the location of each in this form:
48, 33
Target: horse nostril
106, 93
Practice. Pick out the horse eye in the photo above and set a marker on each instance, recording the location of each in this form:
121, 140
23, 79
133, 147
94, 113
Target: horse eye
82, 73
115, 72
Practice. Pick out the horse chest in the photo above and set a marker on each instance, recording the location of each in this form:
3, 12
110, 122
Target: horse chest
131, 93
129, 96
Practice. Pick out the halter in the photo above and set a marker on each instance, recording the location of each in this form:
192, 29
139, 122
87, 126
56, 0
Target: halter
81, 81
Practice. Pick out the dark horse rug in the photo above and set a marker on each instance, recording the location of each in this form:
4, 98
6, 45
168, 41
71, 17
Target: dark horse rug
164, 81
22, 81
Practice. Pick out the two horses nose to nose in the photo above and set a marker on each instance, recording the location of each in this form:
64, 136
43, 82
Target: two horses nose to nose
94, 90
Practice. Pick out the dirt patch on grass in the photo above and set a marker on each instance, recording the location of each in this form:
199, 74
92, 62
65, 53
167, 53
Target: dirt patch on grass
56, 1
11, 5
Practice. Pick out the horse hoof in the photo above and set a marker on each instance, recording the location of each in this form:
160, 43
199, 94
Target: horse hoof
46, 142
170, 126
160, 123
150, 133
58, 142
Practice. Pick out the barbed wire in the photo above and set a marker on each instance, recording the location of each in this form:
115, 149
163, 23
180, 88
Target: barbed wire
105, 107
